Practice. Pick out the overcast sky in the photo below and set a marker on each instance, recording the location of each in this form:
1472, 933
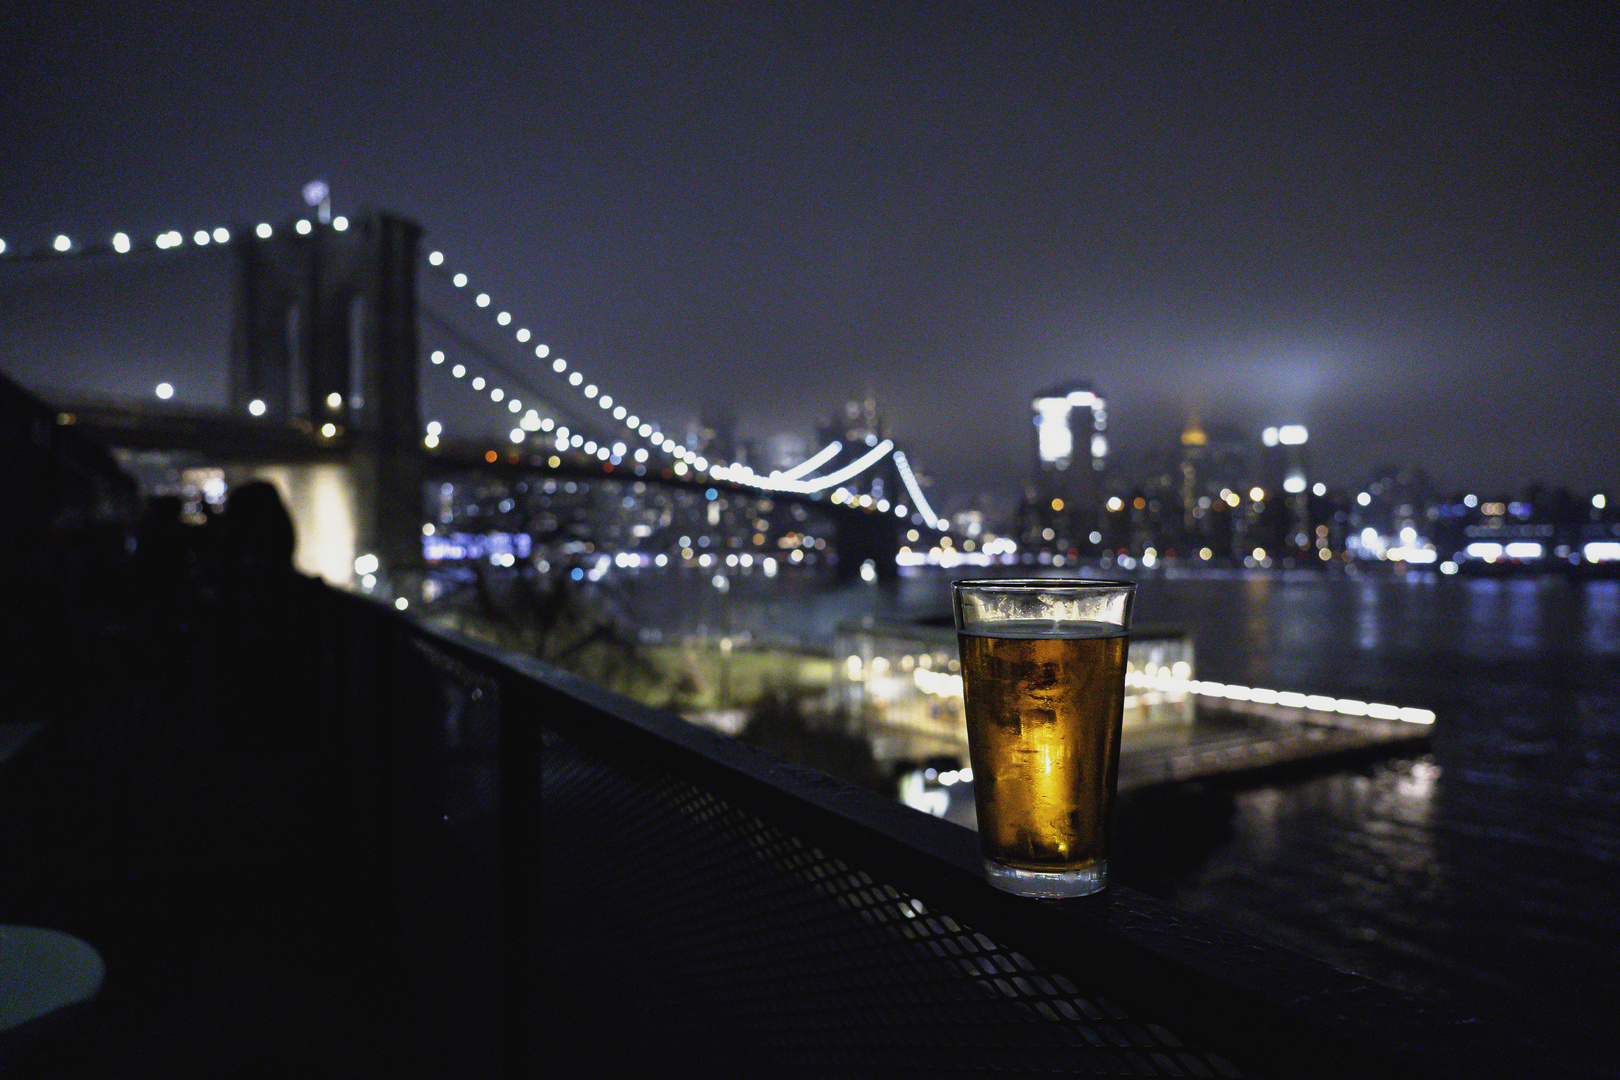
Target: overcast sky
1396, 228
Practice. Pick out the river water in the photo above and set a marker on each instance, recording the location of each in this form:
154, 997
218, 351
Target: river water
1485, 873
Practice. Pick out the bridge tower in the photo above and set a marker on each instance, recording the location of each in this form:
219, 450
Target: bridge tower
325, 332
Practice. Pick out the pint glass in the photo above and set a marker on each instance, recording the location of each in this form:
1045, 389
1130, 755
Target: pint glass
1043, 675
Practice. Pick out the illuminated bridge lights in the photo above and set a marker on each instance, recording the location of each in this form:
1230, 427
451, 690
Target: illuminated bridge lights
122, 242
522, 335
798, 479
920, 501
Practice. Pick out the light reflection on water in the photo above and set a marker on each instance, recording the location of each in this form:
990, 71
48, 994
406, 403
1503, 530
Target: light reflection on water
1486, 872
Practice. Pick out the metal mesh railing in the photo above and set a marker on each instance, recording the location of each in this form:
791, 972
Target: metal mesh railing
730, 945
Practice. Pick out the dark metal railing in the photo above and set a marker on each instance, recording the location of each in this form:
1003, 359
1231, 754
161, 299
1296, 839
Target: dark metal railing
675, 900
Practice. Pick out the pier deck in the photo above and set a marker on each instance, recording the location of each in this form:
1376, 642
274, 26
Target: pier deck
1226, 741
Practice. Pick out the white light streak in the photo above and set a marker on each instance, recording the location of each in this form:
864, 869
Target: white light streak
832, 479
918, 499
809, 464
1601, 551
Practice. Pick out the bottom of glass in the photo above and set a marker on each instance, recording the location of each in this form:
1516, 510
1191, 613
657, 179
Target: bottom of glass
1052, 884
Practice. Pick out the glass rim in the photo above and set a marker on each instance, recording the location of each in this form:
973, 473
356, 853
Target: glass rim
1015, 585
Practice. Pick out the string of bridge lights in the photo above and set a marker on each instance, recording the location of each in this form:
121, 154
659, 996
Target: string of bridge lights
532, 422
122, 243
795, 480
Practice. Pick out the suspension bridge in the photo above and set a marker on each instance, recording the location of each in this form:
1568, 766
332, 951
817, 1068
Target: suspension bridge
326, 367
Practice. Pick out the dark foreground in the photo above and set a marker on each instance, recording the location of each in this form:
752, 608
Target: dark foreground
311, 839
195, 809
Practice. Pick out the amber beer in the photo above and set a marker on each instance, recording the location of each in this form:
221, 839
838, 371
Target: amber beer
1044, 699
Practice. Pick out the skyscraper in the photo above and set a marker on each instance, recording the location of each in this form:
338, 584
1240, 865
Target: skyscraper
1285, 475
1070, 458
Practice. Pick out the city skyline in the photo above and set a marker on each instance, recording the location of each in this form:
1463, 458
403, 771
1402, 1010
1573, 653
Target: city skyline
1394, 231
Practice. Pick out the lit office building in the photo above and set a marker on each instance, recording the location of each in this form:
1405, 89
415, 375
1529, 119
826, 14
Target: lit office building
1287, 478
1071, 456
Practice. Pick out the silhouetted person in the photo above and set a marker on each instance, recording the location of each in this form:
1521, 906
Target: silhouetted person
256, 534
260, 659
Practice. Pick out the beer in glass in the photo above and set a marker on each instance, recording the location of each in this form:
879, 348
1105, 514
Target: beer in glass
1043, 675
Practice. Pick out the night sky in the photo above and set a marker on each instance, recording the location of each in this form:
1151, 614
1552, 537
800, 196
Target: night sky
1398, 229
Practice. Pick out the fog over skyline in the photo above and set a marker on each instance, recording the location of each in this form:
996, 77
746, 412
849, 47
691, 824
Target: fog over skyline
1393, 226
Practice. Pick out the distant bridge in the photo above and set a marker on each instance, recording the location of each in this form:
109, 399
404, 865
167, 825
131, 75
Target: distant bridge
325, 371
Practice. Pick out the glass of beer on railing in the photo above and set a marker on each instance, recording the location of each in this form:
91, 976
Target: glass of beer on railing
1043, 675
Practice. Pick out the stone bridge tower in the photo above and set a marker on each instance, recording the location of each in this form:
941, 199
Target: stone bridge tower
325, 332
